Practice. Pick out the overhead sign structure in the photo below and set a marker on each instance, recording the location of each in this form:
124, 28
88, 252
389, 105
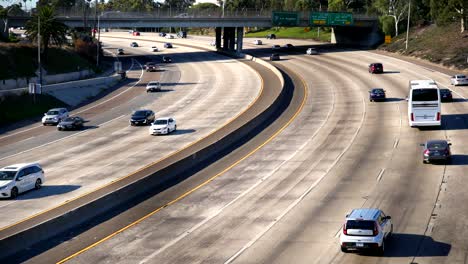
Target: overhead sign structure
331, 19
286, 19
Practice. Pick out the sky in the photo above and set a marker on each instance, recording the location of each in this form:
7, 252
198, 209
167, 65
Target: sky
30, 3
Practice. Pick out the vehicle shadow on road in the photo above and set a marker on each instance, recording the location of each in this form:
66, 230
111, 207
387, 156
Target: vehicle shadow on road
390, 72
48, 190
183, 131
393, 99
408, 245
458, 100
455, 121
458, 159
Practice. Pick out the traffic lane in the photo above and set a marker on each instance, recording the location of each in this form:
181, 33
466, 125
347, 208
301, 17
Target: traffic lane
409, 200
120, 149
31, 126
94, 114
269, 94
187, 215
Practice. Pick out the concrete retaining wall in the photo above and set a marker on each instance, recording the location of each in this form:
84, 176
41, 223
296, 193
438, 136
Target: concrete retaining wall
75, 92
161, 179
49, 79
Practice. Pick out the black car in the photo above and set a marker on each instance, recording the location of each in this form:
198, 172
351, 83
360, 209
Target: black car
71, 123
376, 94
288, 47
271, 36
182, 34
274, 57
133, 44
166, 59
162, 34
167, 45
436, 150
446, 95
375, 67
120, 51
142, 117
150, 67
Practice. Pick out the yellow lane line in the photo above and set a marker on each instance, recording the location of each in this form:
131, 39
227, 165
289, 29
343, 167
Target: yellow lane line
197, 187
145, 167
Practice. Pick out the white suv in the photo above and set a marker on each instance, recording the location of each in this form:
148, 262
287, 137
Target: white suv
366, 229
163, 125
153, 86
54, 116
18, 178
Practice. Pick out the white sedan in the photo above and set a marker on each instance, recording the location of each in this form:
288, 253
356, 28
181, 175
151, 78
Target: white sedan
257, 42
169, 36
154, 49
459, 79
163, 125
311, 51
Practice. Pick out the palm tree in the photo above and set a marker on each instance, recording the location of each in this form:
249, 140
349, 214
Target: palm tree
52, 31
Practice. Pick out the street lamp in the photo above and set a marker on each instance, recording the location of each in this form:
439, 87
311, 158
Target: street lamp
99, 34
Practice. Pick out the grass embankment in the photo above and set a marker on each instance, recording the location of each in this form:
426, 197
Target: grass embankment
15, 108
443, 45
20, 61
293, 32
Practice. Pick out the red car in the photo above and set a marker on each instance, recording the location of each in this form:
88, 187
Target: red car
136, 33
375, 68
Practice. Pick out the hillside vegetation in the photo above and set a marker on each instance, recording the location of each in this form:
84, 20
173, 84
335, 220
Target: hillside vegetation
439, 44
20, 60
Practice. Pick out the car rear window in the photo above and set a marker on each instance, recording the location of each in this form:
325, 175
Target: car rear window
360, 224
425, 95
438, 145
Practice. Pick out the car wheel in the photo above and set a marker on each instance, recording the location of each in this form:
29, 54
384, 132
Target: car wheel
344, 249
448, 160
38, 184
391, 232
14, 193
175, 127
424, 161
381, 249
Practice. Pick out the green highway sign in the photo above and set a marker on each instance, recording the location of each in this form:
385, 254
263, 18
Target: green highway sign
331, 19
288, 19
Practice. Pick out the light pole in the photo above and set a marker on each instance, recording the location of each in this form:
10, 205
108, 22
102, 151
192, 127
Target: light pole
408, 24
39, 46
98, 46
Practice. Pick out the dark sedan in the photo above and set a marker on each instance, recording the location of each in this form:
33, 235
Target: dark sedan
375, 68
162, 34
446, 95
288, 47
275, 57
71, 123
168, 45
377, 94
150, 67
142, 117
166, 59
436, 150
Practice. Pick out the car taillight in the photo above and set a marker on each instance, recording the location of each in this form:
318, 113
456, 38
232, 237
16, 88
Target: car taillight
412, 117
427, 152
345, 232
376, 230
438, 116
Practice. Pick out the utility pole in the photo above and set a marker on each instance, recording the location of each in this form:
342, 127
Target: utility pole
95, 19
408, 24
39, 46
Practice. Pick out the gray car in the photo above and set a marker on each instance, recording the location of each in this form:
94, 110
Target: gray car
436, 150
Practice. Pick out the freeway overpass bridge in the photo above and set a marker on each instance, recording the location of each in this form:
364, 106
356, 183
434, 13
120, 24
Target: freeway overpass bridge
347, 28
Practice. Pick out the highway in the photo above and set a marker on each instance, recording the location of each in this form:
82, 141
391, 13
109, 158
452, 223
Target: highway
194, 92
285, 201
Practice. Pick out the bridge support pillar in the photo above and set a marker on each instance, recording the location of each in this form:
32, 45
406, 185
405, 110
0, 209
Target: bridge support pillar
240, 39
229, 38
218, 32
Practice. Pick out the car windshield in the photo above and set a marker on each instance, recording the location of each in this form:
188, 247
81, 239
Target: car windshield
160, 122
7, 175
53, 112
153, 83
139, 113
437, 145
69, 119
360, 224
443, 91
425, 95
377, 91
460, 76
149, 63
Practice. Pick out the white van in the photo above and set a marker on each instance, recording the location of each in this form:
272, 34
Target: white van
424, 106
19, 178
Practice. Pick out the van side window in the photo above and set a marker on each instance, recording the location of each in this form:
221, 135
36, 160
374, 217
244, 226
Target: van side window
21, 173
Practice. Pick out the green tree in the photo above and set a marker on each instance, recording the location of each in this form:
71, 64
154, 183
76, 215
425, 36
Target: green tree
52, 31
393, 8
460, 8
